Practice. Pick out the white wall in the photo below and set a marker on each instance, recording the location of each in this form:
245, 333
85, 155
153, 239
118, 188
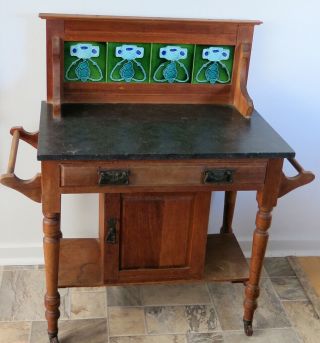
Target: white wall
283, 81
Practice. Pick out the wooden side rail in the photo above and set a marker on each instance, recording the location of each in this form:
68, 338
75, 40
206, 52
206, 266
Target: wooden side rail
30, 188
288, 184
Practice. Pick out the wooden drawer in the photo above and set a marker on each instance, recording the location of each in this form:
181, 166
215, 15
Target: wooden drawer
166, 173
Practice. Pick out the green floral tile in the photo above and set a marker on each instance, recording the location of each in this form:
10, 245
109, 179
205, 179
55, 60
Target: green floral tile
128, 62
171, 63
84, 62
201, 73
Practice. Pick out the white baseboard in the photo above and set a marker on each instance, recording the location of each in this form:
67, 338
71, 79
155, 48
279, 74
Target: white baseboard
21, 255
33, 253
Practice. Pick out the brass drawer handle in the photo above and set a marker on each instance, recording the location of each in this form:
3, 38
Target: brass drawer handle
113, 177
218, 176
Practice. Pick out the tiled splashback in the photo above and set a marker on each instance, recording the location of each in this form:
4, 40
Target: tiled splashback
147, 63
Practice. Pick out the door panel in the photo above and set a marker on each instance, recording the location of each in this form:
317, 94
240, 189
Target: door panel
155, 230
160, 236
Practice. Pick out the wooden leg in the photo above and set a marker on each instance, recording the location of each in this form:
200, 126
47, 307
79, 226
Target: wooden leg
267, 200
229, 204
260, 240
51, 242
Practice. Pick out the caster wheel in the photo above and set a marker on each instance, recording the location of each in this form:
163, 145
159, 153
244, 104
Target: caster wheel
54, 339
247, 324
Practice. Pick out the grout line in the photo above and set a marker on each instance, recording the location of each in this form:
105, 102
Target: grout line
30, 332
193, 61
150, 64
295, 330
172, 334
278, 297
107, 317
107, 50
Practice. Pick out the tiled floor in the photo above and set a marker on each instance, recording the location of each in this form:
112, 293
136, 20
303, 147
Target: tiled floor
196, 313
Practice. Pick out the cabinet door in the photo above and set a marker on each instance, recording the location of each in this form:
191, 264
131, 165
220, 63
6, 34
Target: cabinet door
158, 236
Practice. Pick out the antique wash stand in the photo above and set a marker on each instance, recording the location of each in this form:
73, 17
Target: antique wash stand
154, 115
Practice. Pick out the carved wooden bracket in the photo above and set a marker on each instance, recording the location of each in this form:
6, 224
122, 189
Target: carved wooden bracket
288, 184
242, 100
30, 188
57, 76
29, 137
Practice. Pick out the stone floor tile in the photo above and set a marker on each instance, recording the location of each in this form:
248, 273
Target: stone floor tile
16, 267
89, 289
289, 288
278, 266
126, 321
1, 274
263, 336
149, 339
124, 296
15, 332
263, 271
22, 296
181, 319
87, 305
205, 338
304, 319
161, 295
228, 300
73, 331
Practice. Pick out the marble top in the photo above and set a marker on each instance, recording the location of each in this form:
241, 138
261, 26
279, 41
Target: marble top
155, 131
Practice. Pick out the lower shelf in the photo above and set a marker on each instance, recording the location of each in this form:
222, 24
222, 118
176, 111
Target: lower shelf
80, 262
225, 260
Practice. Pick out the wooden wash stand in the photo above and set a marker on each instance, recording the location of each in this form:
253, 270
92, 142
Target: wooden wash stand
154, 151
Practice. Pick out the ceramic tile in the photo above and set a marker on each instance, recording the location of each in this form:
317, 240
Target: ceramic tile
203, 68
175, 294
88, 305
161, 66
122, 70
288, 288
73, 331
85, 70
304, 319
228, 299
204, 338
278, 266
17, 332
149, 339
124, 296
126, 321
22, 293
181, 319
263, 336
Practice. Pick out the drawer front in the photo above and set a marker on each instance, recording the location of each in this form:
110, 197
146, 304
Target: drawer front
162, 174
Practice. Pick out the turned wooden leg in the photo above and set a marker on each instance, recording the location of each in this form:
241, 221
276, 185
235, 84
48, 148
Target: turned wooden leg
51, 242
267, 200
260, 239
229, 204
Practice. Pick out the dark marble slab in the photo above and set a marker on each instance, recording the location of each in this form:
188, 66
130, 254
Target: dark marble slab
144, 131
